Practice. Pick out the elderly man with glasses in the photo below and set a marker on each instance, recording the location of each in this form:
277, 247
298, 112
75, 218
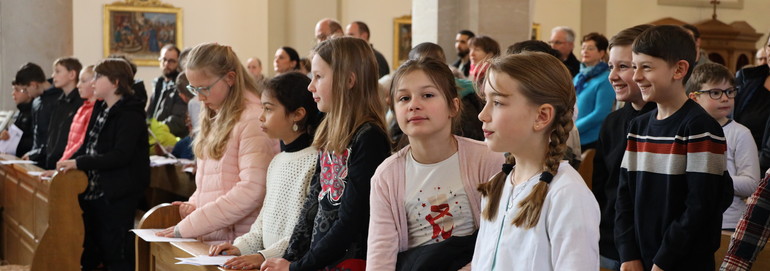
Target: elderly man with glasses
563, 40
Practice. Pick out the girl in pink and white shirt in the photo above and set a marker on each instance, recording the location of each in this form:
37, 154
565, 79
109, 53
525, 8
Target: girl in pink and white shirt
425, 194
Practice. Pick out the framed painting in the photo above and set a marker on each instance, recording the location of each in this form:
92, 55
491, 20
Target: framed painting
402, 40
138, 29
535, 31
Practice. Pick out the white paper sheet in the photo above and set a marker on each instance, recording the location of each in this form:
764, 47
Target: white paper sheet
205, 260
156, 160
149, 236
11, 162
9, 146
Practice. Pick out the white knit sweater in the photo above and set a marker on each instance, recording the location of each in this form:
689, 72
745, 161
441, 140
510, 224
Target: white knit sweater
288, 182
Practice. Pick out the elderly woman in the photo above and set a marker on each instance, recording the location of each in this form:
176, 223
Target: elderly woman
595, 96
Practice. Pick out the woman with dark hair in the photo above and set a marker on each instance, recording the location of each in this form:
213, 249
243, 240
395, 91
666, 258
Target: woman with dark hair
595, 97
286, 60
114, 156
482, 49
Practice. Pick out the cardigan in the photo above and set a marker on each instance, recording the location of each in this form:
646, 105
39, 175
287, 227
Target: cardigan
388, 228
594, 102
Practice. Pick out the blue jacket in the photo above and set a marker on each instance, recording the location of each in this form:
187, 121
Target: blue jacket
594, 103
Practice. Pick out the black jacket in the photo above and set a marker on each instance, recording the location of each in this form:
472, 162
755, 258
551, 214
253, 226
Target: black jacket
59, 128
24, 122
42, 109
382, 63
573, 64
168, 108
121, 160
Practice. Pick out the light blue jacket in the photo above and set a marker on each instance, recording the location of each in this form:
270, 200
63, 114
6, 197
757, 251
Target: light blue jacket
594, 103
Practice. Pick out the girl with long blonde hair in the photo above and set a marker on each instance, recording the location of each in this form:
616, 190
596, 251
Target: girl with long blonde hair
352, 142
232, 151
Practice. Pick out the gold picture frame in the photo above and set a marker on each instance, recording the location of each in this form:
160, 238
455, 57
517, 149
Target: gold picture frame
139, 28
402, 40
535, 32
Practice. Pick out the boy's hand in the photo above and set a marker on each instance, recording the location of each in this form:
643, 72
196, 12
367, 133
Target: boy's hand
656, 268
635, 265
4, 135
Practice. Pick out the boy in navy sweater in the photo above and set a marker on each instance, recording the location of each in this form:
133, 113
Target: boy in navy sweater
673, 186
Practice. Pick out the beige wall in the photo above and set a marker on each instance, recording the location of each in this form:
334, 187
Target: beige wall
239, 23
623, 14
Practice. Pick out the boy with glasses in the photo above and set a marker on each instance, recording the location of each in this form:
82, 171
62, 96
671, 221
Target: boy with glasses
28, 85
713, 87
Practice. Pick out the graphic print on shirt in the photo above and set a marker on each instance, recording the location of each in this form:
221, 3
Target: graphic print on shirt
440, 213
334, 172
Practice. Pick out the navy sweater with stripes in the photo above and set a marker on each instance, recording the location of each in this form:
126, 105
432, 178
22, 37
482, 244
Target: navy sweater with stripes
672, 190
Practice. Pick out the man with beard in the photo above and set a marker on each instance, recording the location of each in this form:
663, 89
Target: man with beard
463, 51
166, 105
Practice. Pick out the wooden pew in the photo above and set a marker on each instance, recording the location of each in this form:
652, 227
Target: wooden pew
169, 183
762, 262
162, 256
42, 221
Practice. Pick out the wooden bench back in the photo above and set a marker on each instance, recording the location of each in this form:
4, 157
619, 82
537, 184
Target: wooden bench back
42, 221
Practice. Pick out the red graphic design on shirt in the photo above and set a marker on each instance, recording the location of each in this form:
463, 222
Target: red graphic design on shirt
334, 171
443, 212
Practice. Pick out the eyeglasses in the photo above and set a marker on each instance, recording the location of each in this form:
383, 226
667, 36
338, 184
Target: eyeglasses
556, 42
205, 91
716, 93
169, 60
18, 89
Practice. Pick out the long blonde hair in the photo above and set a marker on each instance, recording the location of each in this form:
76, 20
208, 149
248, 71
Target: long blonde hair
350, 108
542, 79
217, 60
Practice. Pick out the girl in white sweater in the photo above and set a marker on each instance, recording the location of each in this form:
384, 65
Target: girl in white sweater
289, 114
537, 214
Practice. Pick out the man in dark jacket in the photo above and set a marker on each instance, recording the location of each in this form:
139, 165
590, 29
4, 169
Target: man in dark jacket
165, 104
359, 29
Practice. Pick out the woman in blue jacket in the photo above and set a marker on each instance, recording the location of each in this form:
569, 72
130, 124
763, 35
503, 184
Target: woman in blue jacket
595, 96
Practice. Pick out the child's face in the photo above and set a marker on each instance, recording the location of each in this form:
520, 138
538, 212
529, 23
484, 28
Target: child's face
321, 83
86, 85
477, 55
508, 116
215, 89
719, 108
103, 88
421, 108
61, 76
275, 122
21, 94
655, 77
622, 75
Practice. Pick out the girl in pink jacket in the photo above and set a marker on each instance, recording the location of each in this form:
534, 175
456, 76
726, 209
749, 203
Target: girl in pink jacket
424, 199
232, 152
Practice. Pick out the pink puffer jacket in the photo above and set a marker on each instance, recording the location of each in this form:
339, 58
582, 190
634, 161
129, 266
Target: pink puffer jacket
230, 191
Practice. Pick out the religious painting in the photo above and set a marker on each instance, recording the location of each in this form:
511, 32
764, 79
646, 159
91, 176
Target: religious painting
138, 29
733, 4
402, 40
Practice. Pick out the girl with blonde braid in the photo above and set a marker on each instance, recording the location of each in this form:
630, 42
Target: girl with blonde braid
538, 214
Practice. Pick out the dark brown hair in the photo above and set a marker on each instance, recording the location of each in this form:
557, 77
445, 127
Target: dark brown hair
668, 42
489, 45
290, 90
599, 39
708, 73
543, 79
118, 71
71, 64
